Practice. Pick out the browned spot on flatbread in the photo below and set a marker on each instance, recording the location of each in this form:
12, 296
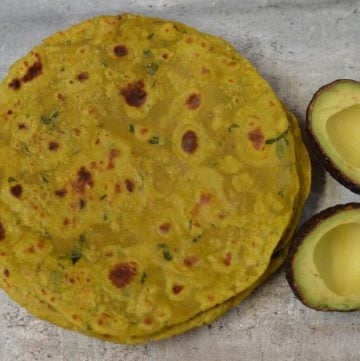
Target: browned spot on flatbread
84, 75
122, 274
2, 232
189, 142
16, 190
193, 101
15, 84
9, 112
6, 273
165, 228
21, 126
130, 186
61, 192
227, 259
84, 179
134, 94
40, 244
114, 153
31, 249
53, 146
120, 50
177, 289
257, 138
205, 70
33, 71
191, 261
205, 198
82, 203
117, 188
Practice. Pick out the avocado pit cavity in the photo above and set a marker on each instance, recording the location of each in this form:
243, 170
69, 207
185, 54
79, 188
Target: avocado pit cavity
336, 257
343, 129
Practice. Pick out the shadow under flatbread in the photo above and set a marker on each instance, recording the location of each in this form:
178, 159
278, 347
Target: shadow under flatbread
318, 181
318, 178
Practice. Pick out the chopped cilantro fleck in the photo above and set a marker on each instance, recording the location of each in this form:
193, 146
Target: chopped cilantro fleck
280, 136
44, 179
103, 197
11, 179
190, 224
74, 255
154, 140
45, 233
196, 238
143, 278
82, 238
50, 119
167, 255
24, 147
233, 126
151, 68
141, 187
147, 53
279, 150
165, 250
180, 30
150, 36
131, 128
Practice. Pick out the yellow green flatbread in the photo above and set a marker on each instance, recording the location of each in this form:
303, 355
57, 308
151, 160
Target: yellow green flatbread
148, 176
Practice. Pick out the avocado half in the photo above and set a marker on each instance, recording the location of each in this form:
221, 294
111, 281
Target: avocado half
333, 125
323, 268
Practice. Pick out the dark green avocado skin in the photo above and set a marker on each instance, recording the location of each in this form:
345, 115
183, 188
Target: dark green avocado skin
300, 237
336, 173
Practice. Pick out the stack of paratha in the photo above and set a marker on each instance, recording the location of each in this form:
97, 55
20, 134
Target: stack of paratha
150, 179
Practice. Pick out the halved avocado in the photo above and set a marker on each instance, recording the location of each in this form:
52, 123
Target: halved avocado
333, 124
323, 268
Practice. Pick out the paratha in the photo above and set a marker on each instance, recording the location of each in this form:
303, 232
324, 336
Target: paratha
148, 174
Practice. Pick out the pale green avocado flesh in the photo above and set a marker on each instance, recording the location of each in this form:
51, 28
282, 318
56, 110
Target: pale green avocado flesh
343, 129
326, 264
334, 124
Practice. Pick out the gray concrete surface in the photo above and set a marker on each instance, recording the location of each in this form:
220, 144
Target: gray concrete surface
297, 46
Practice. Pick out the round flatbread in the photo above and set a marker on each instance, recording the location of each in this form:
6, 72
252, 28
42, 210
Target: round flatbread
149, 174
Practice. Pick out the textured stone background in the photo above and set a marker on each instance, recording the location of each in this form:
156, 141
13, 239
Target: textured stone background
297, 46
